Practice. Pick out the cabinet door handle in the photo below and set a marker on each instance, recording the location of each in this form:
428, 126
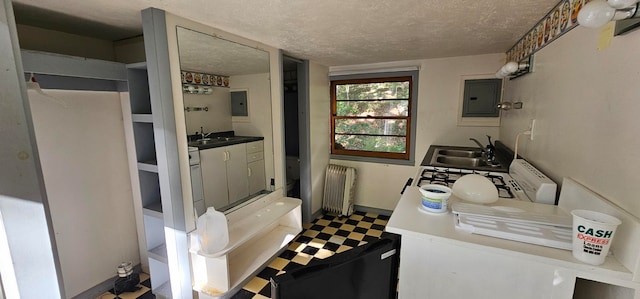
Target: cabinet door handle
249, 171
228, 156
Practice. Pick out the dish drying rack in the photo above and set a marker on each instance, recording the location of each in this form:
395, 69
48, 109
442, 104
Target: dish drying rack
515, 224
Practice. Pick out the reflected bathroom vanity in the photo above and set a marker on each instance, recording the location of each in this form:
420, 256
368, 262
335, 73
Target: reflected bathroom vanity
164, 112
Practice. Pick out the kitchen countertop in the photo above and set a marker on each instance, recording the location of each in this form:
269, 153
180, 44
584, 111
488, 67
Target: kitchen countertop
409, 218
417, 226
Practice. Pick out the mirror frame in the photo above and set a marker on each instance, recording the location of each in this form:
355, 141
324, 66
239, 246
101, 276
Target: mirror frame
172, 22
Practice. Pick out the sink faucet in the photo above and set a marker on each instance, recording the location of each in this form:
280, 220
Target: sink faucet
489, 150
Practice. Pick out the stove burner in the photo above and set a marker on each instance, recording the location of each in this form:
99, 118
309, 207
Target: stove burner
441, 175
447, 176
504, 191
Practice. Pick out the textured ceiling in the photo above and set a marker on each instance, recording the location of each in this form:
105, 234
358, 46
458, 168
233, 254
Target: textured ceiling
329, 32
204, 53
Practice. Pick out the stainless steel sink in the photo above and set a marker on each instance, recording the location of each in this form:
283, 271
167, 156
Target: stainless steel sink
461, 153
461, 161
460, 157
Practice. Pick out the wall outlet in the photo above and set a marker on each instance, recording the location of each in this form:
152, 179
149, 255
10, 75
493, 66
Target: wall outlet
532, 127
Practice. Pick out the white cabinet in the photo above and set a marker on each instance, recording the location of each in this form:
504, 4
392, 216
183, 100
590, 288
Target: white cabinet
237, 173
255, 165
224, 175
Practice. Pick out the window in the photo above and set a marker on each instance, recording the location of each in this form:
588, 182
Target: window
373, 115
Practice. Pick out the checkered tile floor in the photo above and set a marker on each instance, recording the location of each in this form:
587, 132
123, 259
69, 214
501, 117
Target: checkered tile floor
320, 239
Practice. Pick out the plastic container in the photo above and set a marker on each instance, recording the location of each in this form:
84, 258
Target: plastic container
592, 235
475, 188
213, 231
435, 198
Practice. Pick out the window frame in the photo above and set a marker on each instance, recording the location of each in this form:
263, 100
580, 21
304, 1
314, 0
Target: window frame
406, 158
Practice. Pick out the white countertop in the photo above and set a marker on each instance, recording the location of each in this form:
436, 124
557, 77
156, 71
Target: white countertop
409, 219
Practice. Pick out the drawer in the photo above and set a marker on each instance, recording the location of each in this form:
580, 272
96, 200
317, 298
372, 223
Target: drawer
254, 147
255, 157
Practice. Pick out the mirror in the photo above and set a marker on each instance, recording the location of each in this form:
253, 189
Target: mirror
236, 155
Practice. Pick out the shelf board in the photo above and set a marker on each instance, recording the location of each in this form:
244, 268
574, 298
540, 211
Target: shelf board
159, 253
163, 291
247, 228
252, 255
138, 65
247, 259
142, 118
150, 166
154, 210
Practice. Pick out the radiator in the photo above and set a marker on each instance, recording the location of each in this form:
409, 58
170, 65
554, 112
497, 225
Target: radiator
339, 187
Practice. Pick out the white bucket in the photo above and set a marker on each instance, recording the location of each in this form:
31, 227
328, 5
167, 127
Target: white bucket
592, 235
435, 198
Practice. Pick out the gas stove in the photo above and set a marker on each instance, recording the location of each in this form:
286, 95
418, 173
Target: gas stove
523, 182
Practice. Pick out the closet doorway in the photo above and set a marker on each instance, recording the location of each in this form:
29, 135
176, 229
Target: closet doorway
295, 74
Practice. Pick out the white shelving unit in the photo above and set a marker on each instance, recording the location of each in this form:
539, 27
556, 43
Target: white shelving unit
256, 233
153, 218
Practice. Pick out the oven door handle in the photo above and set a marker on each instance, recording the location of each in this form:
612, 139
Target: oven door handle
407, 184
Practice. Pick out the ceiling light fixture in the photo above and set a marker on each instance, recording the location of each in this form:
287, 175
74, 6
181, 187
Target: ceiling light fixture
598, 13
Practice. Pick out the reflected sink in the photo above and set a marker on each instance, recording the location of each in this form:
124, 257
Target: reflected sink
461, 161
219, 141
460, 153
230, 138
205, 141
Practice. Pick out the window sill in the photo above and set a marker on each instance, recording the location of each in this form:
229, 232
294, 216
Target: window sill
373, 160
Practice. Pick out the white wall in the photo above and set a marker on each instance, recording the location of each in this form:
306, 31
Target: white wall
80, 135
319, 130
259, 122
217, 119
379, 185
586, 103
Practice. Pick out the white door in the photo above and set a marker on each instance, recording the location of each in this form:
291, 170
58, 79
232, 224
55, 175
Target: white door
214, 177
237, 172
